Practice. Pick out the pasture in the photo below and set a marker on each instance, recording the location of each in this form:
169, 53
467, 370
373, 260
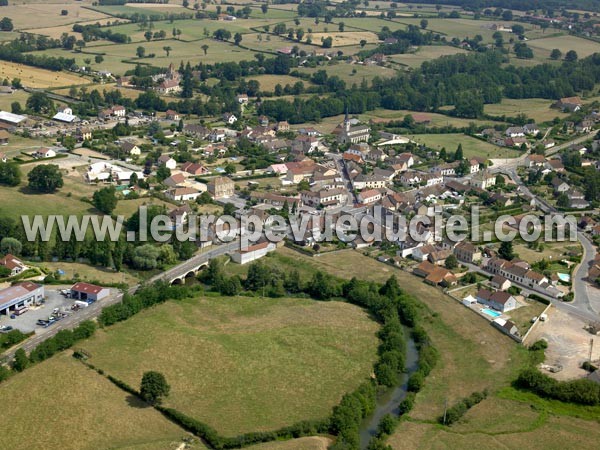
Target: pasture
29, 16
244, 364
436, 120
425, 53
471, 146
352, 73
268, 82
35, 77
543, 47
75, 408
538, 109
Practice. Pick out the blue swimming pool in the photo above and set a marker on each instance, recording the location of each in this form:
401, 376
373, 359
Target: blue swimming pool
491, 312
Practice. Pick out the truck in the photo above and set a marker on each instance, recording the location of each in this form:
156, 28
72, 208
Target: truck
81, 304
18, 312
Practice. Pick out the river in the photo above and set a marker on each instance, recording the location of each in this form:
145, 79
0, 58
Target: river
389, 400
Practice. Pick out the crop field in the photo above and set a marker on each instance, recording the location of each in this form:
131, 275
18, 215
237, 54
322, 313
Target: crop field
39, 78
75, 408
305, 443
437, 120
459, 28
471, 146
55, 32
425, 53
537, 109
346, 38
244, 364
262, 42
268, 82
353, 73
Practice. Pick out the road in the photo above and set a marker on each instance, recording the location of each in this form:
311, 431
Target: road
94, 310
337, 158
578, 140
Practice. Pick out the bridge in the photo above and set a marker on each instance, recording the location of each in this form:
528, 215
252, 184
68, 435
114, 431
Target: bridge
191, 267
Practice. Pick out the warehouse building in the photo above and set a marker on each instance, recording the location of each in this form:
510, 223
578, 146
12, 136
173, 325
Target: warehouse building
88, 292
19, 296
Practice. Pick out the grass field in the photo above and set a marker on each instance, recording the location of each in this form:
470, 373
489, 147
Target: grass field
268, 82
353, 73
39, 78
425, 53
29, 16
542, 47
90, 273
537, 109
306, 443
243, 364
437, 120
471, 146
75, 408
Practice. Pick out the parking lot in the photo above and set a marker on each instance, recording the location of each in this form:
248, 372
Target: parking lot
28, 321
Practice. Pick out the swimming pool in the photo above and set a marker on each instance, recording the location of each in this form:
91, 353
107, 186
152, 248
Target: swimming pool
491, 312
564, 277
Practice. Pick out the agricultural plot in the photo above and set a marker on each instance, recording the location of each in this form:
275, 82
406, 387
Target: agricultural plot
57, 31
543, 47
436, 120
39, 78
425, 53
242, 364
268, 82
538, 109
262, 42
346, 38
353, 73
28, 16
75, 408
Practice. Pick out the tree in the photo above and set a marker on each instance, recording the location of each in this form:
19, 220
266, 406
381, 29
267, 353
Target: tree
327, 42
64, 12
555, 54
162, 173
11, 245
424, 23
145, 257
506, 251
39, 102
229, 209
148, 35
98, 59
341, 27
458, 154
562, 201
237, 38
6, 24
140, 52
167, 50
204, 198
21, 361
10, 174
451, 262
45, 178
264, 8
230, 169
507, 15
16, 108
154, 387
105, 199
204, 48
571, 56
363, 42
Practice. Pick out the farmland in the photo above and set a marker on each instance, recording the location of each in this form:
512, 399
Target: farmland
62, 395
542, 47
39, 78
472, 147
425, 53
242, 364
537, 109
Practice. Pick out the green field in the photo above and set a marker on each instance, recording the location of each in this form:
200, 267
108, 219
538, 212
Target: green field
244, 364
471, 146
537, 109
75, 408
425, 53
542, 47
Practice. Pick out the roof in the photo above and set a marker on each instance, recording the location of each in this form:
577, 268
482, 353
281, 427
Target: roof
10, 117
176, 192
499, 297
13, 293
64, 117
571, 100
86, 288
11, 262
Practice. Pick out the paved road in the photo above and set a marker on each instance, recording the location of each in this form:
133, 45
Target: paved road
578, 140
94, 310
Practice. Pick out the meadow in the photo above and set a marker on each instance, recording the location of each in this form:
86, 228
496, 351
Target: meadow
538, 109
425, 53
543, 47
472, 147
244, 364
35, 77
75, 408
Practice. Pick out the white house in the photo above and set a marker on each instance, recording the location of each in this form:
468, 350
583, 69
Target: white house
253, 252
499, 300
229, 118
44, 153
167, 161
182, 194
12, 263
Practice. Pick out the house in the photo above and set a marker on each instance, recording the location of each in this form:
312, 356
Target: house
435, 275
369, 196
179, 215
559, 185
513, 132
229, 118
483, 180
11, 119
182, 194
19, 296
283, 126
88, 292
500, 283
555, 165
83, 134
167, 161
507, 327
531, 129
325, 198
577, 199
439, 257
422, 253
12, 263
194, 168
174, 180
65, 114
534, 160
585, 126
197, 131
44, 152
221, 187
498, 300
217, 135
252, 252
130, 148
263, 121
172, 115
571, 104
167, 87
242, 99
362, 181
467, 252
298, 171
4, 137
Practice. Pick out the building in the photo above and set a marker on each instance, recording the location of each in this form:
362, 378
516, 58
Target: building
500, 283
253, 252
11, 119
325, 198
12, 263
560, 186
499, 300
534, 160
221, 187
507, 327
168, 87
353, 134
4, 137
467, 252
172, 115
65, 114
571, 104
19, 296
483, 180
369, 196
88, 292
131, 148
83, 134
514, 132
44, 153
182, 194
229, 118
194, 168
167, 161
174, 180
242, 99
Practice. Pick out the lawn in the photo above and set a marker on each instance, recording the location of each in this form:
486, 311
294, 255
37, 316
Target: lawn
471, 146
87, 272
34, 77
425, 53
537, 109
75, 408
268, 82
353, 73
542, 47
244, 364
28, 16
437, 120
